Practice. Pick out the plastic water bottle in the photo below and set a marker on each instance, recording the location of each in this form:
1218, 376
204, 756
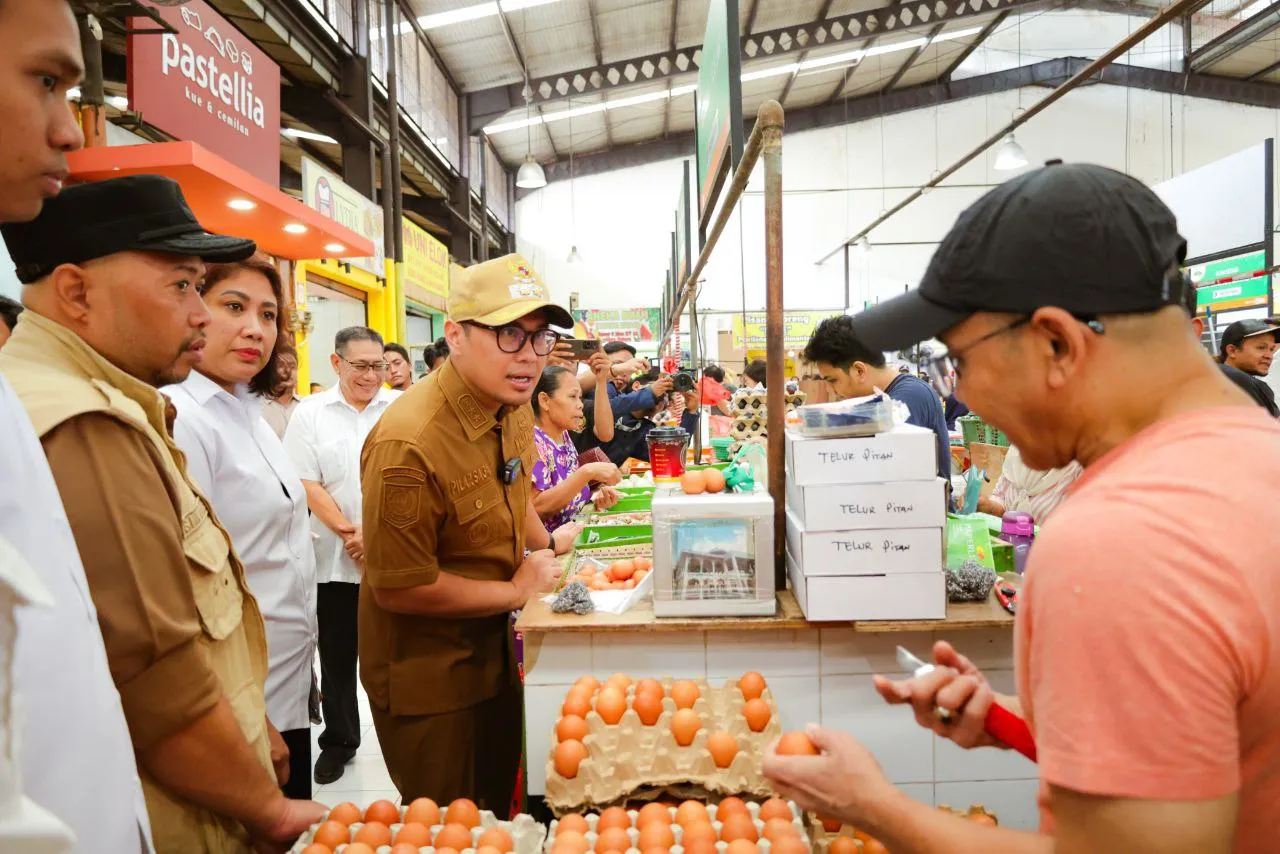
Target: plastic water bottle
1019, 529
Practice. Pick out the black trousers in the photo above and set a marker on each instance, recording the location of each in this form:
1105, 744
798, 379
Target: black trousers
337, 611
299, 743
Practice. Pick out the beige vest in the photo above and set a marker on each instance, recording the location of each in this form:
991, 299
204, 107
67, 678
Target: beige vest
58, 377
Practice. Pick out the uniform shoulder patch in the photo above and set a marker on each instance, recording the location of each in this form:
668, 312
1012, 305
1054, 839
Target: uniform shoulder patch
401, 495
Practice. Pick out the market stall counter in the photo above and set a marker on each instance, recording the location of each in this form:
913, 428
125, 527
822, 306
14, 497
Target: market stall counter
817, 673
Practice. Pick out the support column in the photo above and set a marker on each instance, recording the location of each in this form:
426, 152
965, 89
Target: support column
460, 245
93, 113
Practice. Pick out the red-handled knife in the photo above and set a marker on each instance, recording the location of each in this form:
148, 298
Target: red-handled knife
1000, 723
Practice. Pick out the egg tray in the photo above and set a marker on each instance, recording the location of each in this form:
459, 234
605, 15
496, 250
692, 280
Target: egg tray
822, 839
632, 761
752, 808
527, 835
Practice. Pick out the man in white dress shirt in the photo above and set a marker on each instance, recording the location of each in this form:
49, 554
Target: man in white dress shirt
324, 440
75, 758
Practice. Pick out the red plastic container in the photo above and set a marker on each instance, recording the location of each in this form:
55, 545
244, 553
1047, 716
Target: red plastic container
667, 446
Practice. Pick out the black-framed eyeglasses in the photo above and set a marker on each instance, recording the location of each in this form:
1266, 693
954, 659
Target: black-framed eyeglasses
945, 369
512, 338
364, 367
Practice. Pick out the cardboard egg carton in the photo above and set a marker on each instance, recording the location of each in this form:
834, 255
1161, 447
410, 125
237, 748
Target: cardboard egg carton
822, 839
527, 835
677, 831
631, 760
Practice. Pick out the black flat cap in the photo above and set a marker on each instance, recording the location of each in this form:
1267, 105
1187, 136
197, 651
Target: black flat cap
145, 213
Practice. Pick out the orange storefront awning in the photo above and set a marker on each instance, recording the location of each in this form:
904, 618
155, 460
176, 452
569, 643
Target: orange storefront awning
227, 200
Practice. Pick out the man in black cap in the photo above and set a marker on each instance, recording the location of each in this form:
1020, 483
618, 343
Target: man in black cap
1248, 383
112, 274
1146, 637
1249, 346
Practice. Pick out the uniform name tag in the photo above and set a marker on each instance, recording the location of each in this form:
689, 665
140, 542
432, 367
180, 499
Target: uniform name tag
469, 481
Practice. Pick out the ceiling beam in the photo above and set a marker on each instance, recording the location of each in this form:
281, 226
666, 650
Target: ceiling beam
751, 15
911, 60
975, 44
846, 31
599, 55
1239, 36
1270, 69
843, 83
1049, 73
791, 81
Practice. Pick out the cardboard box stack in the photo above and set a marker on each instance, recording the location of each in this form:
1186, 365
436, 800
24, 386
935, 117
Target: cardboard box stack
865, 520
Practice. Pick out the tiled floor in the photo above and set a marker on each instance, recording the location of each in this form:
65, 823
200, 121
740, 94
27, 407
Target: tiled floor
365, 779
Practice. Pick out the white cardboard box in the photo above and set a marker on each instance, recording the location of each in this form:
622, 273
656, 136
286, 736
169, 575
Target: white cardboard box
906, 452
865, 552
901, 596
870, 506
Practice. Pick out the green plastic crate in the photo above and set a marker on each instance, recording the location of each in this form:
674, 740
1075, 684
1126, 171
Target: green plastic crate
594, 537
974, 429
631, 504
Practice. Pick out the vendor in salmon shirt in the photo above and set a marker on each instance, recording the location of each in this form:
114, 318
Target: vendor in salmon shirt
1145, 647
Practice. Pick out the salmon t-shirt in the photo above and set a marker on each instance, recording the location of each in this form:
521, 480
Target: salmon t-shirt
1148, 646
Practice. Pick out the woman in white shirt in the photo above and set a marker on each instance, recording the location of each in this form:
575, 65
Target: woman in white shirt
241, 466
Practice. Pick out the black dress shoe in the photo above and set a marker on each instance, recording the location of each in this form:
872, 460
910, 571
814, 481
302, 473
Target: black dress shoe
330, 765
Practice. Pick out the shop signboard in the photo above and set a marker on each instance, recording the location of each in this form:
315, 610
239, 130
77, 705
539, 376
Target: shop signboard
718, 107
797, 328
1231, 283
325, 192
209, 84
426, 266
622, 324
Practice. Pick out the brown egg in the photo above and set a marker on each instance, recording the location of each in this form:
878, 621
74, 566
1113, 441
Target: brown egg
455, 836
696, 832
383, 811
714, 479
775, 808
684, 726
623, 569
568, 756
373, 834
610, 705
613, 839
656, 835
401, 848
656, 811
414, 834
693, 482
422, 811
751, 685
685, 693
843, 845
738, 826
790, 845
650, 686
700, 846
331, 834
345, 812
447, 851
640, 575
874, 846
496, 837
648, 708
487, 849
757, 714
572, 840
723, 748
359, 848
463, 811
742, 846
621, 681
571, 727
613, 817
576, 705
588, 683
731, 806
830, 825
315, 848
796, 744
777, 828
656, 851
692, 812
571, 821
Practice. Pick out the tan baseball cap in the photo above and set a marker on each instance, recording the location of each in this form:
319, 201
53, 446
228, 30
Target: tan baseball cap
500, 291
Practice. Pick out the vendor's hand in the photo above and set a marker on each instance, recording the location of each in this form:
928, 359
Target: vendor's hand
955, 685
626, 370
279, 754
562, 538
841, 782
562, 355
600, 366
606, 497
661, 387
538, 574
605, 473
285, 822
691, 401
353, 543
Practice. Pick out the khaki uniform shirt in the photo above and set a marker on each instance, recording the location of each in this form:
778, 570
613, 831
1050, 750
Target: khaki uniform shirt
435, 501
180, 627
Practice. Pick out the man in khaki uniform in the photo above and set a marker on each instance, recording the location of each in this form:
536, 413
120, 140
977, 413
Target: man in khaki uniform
112, 273
447, 517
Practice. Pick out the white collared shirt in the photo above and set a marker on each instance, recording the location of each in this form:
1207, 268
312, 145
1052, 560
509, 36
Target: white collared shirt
75, 755
240, 465
324, 440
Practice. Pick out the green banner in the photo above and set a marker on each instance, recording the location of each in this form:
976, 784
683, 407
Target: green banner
719, 102
622, 324
1231, 283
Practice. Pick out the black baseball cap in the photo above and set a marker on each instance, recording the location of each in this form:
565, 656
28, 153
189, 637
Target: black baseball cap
1242, 329
145, 213
1084, 238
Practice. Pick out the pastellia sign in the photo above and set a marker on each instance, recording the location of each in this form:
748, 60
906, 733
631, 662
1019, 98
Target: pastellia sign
209, 84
